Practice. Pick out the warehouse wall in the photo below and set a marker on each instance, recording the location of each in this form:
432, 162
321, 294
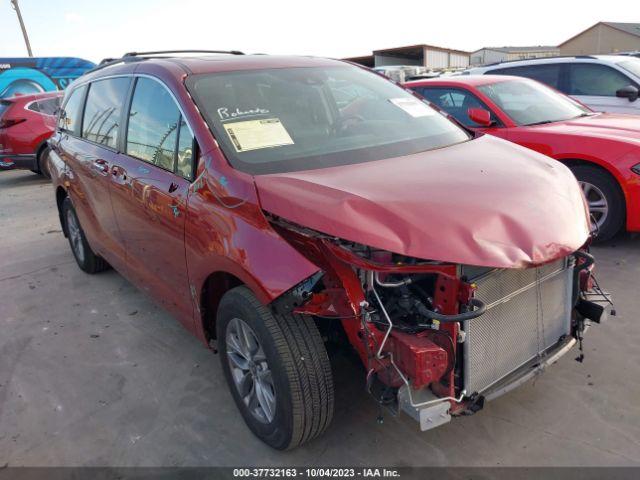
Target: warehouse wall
457, 60
485, 57
600, 39
436, 59
532, 54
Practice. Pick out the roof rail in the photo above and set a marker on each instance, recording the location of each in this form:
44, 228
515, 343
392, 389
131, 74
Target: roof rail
164, 52
536, 59
137, 56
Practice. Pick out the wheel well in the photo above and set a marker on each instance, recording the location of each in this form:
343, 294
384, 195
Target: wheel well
215, 286
577, 162
574, 162
61, 194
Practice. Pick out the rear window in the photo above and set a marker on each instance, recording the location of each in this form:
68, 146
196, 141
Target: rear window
291, 119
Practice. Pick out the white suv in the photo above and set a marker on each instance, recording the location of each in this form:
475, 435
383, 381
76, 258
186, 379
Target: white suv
605, 83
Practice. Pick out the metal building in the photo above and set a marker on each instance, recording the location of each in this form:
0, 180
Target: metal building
603, 38
488, 55
428, 56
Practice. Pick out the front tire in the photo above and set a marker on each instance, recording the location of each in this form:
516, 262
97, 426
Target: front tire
277, 369
605, 199
86, 259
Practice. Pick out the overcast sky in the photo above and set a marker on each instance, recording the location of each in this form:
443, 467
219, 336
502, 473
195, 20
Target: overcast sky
95, 29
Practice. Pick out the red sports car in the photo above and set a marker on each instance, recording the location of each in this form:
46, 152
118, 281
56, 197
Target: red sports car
602, 149
26, 123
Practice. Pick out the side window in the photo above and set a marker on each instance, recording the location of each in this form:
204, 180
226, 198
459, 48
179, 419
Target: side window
184, 166
71, 113
48, 106
549, 73
103, 109
154, 119
455, 102
594, 79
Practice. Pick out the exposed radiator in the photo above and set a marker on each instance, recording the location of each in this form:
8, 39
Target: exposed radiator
521, 320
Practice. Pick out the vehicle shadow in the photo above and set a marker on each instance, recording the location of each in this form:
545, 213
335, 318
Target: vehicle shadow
626, 240
18, 178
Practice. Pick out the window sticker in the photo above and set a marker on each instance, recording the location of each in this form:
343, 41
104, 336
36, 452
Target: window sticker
257, 134
413, 107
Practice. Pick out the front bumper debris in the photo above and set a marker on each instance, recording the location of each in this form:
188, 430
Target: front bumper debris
431, 411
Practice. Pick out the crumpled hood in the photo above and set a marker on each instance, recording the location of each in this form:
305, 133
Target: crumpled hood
609, 126
485, 202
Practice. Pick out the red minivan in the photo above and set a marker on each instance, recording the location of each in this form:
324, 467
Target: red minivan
274, 204
26, 123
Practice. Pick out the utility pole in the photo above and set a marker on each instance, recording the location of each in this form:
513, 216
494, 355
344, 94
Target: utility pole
16, 7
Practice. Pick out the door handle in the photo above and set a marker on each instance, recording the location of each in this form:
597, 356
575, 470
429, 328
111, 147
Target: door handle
101, 166
173, 187
117, 170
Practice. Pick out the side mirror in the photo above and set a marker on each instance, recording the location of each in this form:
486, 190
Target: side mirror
629, 92
480, 116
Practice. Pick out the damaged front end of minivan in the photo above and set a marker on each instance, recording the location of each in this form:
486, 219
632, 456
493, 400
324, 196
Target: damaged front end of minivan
437, 339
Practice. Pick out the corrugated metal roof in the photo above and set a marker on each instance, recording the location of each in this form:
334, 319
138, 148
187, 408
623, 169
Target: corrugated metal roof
520, 49
418, 48
632, 28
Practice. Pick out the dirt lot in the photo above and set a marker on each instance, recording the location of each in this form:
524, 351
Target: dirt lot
92, 372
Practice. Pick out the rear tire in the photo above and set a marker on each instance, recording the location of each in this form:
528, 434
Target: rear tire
86, 259
605, 198
43, 163
290, 349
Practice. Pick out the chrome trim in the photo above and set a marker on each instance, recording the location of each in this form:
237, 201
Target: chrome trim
133, 76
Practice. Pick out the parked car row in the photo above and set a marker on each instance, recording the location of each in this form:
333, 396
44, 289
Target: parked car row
604, 83
601, 149
276, 204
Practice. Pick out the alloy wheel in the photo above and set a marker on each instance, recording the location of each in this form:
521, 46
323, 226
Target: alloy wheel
250, 371
597, 202
75, 236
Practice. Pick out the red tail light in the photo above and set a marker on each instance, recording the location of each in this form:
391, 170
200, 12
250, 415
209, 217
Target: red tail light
10, 122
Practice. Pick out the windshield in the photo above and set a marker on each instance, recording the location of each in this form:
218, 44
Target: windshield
291, 119
531, 103
632, 65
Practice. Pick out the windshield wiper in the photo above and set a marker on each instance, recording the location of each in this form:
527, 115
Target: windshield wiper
540, 123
